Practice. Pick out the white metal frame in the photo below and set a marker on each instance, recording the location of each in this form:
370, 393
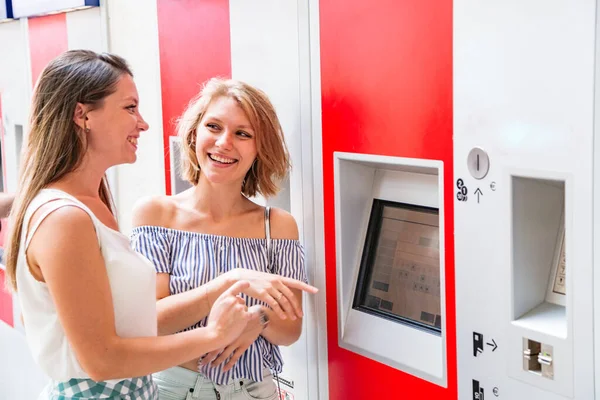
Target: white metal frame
549, 323
312, 153
413, 181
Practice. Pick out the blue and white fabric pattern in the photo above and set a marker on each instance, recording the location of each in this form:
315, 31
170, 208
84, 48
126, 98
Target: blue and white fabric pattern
193, 259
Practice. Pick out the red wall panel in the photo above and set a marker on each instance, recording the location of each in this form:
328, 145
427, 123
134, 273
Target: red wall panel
2, 148
6, 305
47, 39
194, 42
6, 311
386, 76
3, 221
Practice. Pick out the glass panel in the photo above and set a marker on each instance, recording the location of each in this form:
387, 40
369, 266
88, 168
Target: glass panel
403, 278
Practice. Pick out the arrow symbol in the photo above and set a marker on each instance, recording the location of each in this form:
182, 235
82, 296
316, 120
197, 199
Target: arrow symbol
493, 344
478, 193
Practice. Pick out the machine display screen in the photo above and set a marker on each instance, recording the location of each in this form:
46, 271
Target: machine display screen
399, 275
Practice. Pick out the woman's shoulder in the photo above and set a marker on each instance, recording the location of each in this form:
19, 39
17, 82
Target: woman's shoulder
153, 211
283, 224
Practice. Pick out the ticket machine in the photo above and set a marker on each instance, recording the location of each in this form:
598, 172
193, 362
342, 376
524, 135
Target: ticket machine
525, 166
514, 247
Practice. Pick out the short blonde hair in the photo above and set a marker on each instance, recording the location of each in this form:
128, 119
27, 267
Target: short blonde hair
272, 159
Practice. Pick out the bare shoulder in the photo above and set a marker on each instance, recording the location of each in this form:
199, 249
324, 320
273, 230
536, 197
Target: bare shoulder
154, 211
283, 224
67, 228
67, 218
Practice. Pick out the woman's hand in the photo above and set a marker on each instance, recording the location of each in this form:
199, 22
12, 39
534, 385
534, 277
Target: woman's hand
234, 351
229, 314
274, 290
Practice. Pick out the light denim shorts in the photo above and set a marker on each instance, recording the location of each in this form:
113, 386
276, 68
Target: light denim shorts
182, 384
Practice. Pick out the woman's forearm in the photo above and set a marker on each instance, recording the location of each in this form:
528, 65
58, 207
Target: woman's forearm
109, 356
179, 311
282, 332
130, 357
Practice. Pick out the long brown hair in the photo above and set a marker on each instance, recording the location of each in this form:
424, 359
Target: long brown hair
55, 144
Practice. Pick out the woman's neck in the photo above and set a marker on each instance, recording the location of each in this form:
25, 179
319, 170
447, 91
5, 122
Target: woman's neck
219, 201
84, 181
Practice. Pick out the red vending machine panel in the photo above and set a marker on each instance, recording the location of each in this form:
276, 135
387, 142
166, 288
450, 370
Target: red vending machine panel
386, 81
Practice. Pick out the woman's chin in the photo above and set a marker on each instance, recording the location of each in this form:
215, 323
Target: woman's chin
218, 179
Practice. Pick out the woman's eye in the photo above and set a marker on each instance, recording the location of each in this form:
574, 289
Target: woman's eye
132, 107
212, 126
244, 134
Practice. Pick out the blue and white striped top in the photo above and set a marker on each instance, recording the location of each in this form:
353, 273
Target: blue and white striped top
193, 259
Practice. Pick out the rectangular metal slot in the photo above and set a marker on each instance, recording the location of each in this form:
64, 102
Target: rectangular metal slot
538, 358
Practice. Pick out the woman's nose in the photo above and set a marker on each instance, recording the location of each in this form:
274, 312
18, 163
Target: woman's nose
225, 140
143, 124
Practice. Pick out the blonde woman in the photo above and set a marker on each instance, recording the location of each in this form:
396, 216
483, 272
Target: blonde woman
88, 300
206, 238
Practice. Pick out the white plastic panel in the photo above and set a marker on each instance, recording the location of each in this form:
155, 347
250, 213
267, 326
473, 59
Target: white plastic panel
178, 184
537, 221
400, 346
523, 91
273, 66
596, 208
28, 8
538, 210
280, 67
312, 175
15, 89
84, 30
359, 178
3, 11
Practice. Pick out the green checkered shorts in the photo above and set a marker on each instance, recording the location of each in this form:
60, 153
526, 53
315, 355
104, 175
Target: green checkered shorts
86, 389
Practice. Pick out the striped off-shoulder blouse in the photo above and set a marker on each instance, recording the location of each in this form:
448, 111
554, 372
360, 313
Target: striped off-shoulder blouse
193, 259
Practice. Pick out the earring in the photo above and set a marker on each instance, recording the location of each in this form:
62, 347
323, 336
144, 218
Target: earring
85, 128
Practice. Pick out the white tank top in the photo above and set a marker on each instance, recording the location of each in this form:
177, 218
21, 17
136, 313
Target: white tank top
132, 282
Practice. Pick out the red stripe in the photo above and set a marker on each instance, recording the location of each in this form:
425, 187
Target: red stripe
194, 43
6, 305
3, 221
47, 39
386, 89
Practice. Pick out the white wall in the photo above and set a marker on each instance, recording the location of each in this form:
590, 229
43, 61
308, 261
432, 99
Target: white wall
133, 34
19, 376
270, 48
15, 89
84, 30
